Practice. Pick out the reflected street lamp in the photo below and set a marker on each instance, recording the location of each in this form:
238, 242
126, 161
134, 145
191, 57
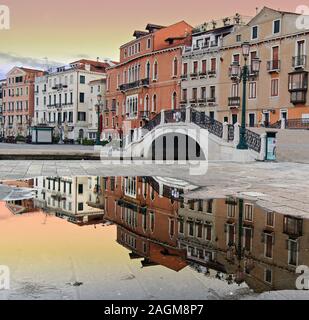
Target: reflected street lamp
239, 74
99, 108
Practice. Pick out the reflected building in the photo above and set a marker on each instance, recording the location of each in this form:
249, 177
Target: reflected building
146, 219
244, 241
73, 199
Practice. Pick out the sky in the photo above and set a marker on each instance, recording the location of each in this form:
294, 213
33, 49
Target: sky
61, 31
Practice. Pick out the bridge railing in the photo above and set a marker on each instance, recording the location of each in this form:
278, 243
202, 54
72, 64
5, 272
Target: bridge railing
253, 140
153, 122
176, 115
213, 126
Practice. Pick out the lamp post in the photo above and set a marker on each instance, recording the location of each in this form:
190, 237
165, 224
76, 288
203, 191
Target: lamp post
239, 74
99, 107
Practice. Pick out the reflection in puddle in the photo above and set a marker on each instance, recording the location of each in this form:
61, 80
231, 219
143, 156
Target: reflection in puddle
209, 246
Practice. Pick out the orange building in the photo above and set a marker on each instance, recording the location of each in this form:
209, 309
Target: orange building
18, 100
147, 78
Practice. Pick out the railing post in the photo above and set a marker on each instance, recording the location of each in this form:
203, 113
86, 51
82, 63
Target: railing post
162, 117
225, 135
283, 123
236, 134
188, 114
263, 147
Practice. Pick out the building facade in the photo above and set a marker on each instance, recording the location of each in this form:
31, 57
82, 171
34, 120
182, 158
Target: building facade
63, 97
18, 100
201, 65
280, 90
2, 83
69, 198
147, 79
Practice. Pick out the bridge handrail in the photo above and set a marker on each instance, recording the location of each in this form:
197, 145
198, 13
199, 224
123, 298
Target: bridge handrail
215, 127
254, 140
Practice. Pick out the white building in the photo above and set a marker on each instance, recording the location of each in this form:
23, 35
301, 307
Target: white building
62, 97
68, 197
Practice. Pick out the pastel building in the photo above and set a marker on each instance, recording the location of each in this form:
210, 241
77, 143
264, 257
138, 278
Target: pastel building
18, 100
64, 97
280, 91
147, 78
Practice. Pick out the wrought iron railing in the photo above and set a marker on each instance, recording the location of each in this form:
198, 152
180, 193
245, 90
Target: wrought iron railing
253, 140
213, 126
299, 61
153, 122
177, 115
297, 124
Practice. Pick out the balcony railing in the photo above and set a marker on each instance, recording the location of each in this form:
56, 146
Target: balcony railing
203, 74
234, 102
202, 100
212, 73
59, 86
184, 101
273, 65
211, 99
184, 76
299, 61
134, 85
193, 100
193, 74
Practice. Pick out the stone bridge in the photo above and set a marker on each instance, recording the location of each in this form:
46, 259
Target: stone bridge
187, 134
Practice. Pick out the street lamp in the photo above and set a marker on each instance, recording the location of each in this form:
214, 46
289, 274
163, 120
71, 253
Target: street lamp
98, 107
239, 74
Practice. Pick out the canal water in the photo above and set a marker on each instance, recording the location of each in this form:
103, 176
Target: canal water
145, 238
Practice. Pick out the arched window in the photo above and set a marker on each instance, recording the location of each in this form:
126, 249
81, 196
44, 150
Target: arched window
174, 101
175, 67
154, 103
155, 70
146, 106
147, 73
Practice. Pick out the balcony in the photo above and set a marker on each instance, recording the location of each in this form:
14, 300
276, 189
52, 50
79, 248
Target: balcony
203, 74
193, 75
299, 62
184, 77
193, 100
298, 97
273, 65
293, 227
59, 87
234, 102
202, 100
211, 101
212, 73
134, 85
184, 102
144, 115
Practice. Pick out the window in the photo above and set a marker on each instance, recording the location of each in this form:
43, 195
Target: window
194, 94
80, 206
208, 233
174, 101
293, 226
81, 116
210, 206
80, 189
181, 227
252, 90
248, 239
191, 229
212, 92
249, 212
175, 67
184, 95
200, 205
82, 79
213, 65
293, 252
148, 43
276, 26
199, 229
195, 67
238, 38
130, 187
154, 103
235, 90
270, 219
231, 210
298, 81
203, 93
269, 245
171, 227
155, 71
204, 66
268, 276
185, 69
254, 32
152, 221
81, 97
274, 88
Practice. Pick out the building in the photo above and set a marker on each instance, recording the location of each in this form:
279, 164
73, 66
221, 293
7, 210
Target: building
18, 100
69, 198
147, 79
97, 88
201, 65
2, 83
280, 90
272, 244
63, 97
